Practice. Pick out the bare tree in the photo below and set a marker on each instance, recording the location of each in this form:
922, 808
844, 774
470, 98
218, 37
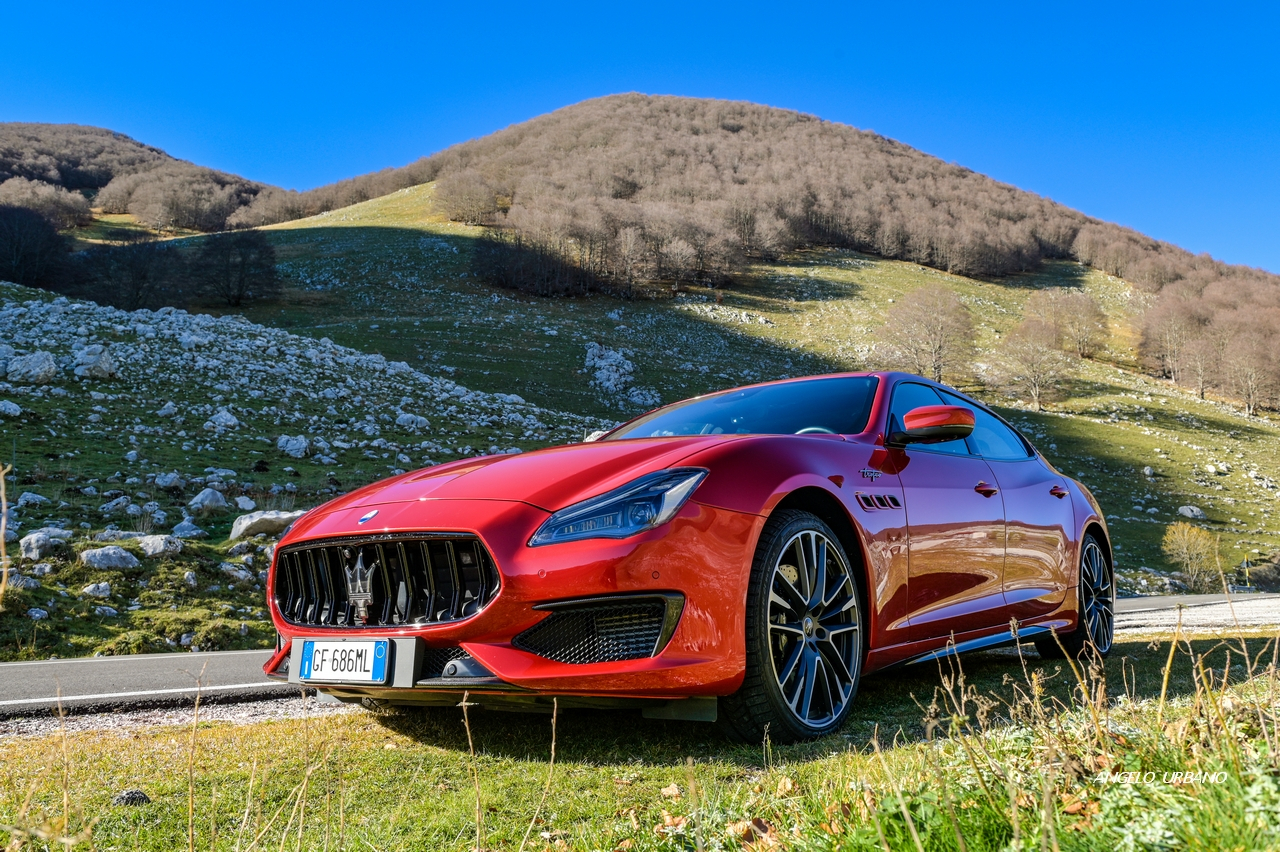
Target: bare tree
238, 267
62, 208
138, 274
930, 332
1201, 358
467, 197
1250, 368
1029, 362
1083, 325
31, 251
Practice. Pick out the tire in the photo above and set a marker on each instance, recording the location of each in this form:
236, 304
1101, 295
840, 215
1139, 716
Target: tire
805, 644
1095, 627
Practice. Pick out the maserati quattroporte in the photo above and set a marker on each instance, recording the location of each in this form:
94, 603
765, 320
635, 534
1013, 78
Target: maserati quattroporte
747, 555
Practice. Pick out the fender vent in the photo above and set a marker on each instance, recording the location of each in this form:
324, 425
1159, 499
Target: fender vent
871, 502
603, 630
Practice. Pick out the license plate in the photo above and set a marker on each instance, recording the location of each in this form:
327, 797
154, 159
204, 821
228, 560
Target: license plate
345, 662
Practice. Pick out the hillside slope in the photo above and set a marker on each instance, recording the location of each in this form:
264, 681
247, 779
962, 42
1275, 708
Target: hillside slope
394, 276
128, 416
120, 174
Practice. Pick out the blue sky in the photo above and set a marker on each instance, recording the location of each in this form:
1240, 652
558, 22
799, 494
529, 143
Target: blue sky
1162, 117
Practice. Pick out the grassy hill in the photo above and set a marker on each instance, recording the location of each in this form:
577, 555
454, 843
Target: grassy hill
393, 276
392, 280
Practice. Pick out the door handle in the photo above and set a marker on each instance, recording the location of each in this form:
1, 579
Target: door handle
986, 490
1059, 492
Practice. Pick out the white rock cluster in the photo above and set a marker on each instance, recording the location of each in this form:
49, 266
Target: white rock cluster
611, 371
192, 381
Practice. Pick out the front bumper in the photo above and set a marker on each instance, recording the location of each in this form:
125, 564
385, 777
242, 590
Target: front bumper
703, 556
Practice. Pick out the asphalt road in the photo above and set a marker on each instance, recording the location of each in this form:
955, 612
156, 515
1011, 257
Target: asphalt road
141, 680
153, 680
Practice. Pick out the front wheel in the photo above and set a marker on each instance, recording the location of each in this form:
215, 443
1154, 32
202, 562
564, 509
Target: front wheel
1097, 600
803, 632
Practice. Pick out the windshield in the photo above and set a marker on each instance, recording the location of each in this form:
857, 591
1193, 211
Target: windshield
818, 406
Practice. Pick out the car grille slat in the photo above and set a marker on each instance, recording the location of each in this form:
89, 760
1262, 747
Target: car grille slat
611, 630
420, 578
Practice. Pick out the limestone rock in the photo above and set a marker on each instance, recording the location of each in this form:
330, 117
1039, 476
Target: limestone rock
169, 481
117, 505
1193, 512
97, 590
160, 545
112, 556
222, 420
9, 409
188, 530
207, 502
294, 446
270, 522
235, 572
38, 368
37, 545
95, 362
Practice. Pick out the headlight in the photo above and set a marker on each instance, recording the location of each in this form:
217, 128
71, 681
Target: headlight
648, 502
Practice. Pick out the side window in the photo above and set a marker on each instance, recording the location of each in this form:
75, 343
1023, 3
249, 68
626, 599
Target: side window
909, 395
992, 439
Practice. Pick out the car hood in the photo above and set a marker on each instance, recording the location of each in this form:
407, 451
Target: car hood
549, 479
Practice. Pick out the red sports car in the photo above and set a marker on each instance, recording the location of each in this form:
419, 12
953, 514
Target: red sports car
747, 554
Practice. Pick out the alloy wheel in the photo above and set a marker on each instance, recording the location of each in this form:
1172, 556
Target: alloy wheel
814, 628
1097, 597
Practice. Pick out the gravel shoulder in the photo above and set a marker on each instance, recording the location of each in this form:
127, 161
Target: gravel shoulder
1205, 618
245, 713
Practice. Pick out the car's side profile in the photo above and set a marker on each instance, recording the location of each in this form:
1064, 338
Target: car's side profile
748, 554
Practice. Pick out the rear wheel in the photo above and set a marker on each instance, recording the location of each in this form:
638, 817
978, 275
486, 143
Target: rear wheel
1097, 599
804, 634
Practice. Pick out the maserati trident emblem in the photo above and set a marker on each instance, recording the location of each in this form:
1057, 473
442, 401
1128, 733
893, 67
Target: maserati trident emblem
359, 584
368, 516
868, 473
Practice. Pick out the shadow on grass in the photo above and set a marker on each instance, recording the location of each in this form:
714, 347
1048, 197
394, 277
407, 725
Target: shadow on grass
890, 704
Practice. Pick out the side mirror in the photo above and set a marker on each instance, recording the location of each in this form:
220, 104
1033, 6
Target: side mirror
934, 424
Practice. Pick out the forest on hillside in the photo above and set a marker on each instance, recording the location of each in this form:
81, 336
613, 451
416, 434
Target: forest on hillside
617, 191
621, 192
63, 169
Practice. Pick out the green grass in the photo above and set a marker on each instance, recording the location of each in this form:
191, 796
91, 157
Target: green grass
394, 263
112, 228
970, 742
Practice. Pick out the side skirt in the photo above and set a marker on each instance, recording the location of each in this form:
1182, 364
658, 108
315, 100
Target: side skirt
996, 640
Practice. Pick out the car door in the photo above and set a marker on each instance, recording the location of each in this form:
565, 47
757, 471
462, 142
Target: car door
1038, 568
955, 529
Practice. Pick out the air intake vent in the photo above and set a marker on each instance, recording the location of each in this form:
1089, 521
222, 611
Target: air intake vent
435, 659
871, 502
384, 580
604, 630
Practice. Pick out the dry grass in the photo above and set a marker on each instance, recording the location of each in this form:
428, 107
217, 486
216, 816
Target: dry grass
1005, 753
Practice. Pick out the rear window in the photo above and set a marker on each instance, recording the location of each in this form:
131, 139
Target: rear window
817, 406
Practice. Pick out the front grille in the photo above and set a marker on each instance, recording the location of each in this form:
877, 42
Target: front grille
383, 581
604, 630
